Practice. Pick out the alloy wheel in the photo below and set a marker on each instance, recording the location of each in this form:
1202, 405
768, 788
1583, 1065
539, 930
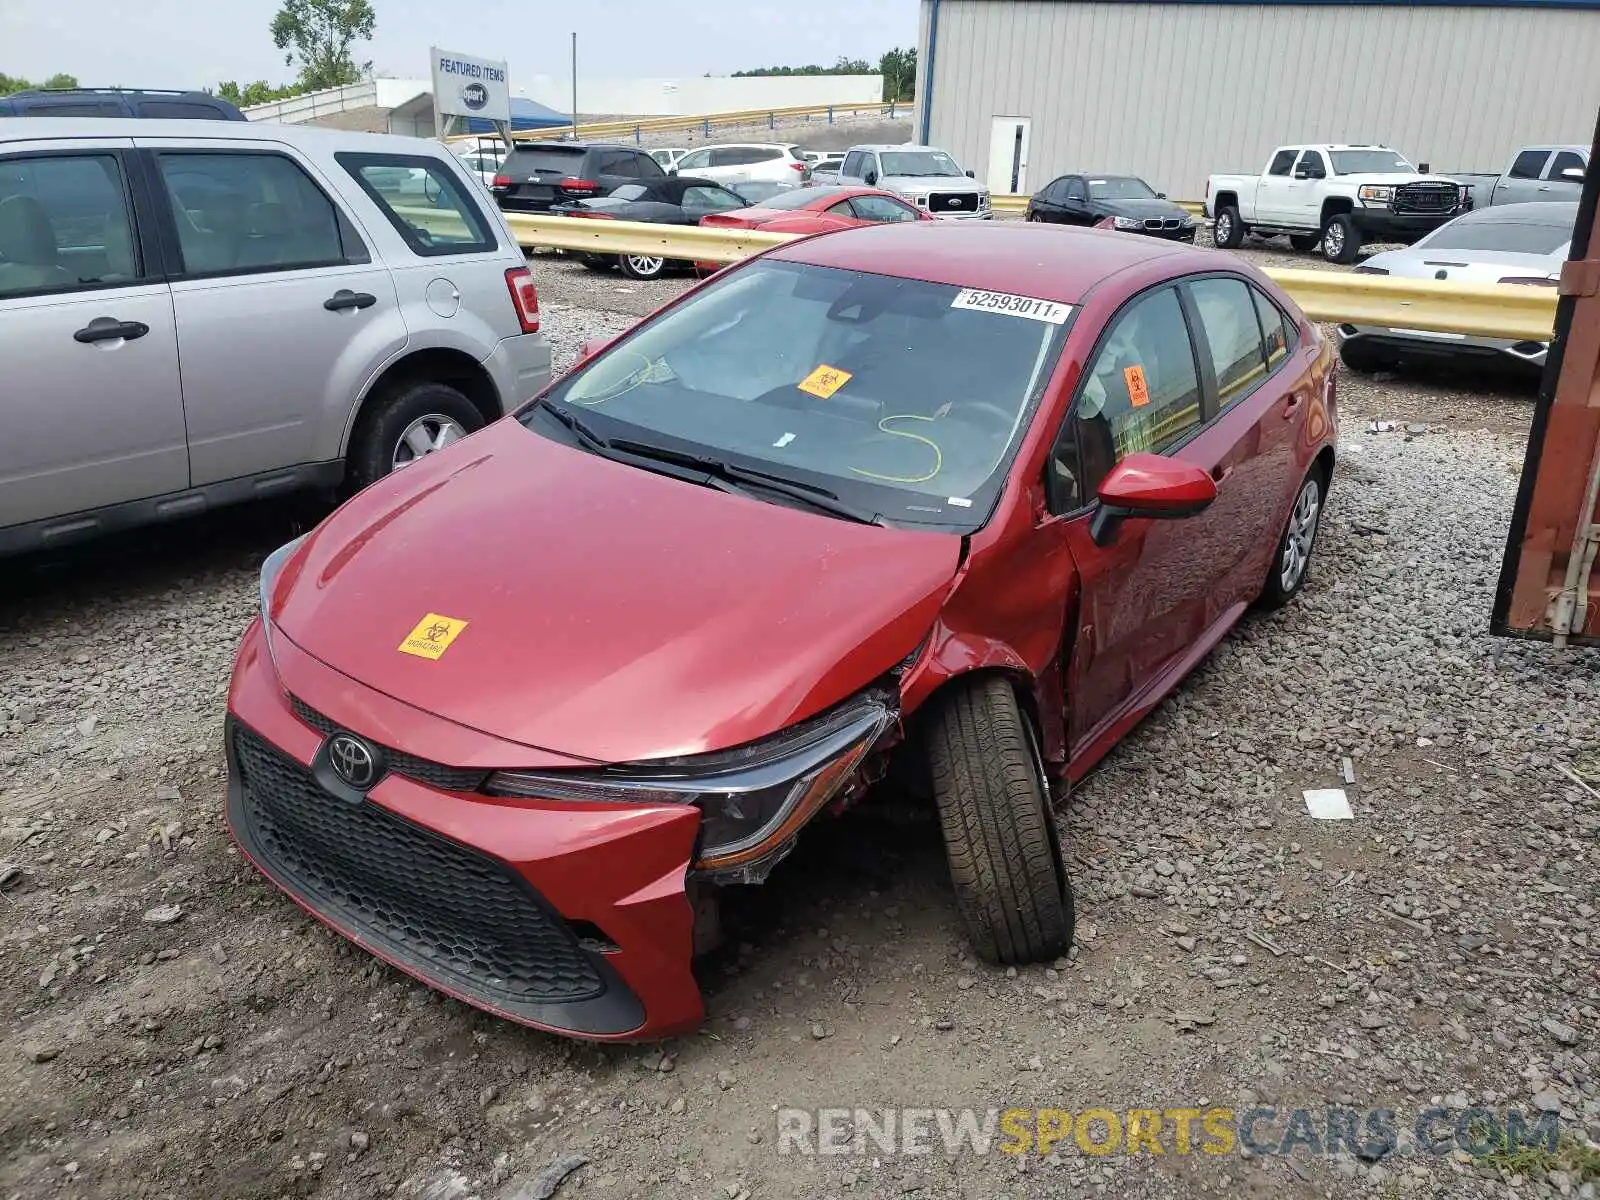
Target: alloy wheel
424, 436
1333, 241
645, 266
1300, 535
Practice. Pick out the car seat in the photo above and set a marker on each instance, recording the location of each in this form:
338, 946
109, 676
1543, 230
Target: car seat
29, 258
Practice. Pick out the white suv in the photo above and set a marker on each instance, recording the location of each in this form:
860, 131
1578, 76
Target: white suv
202, 312
746, 162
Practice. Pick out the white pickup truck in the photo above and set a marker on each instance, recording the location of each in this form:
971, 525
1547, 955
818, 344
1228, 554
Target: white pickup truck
1536, 173
1340, 196
927, 177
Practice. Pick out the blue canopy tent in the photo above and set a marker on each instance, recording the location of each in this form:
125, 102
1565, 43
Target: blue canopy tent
525, 114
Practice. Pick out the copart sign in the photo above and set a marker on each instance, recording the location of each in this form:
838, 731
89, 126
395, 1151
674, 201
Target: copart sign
470, 87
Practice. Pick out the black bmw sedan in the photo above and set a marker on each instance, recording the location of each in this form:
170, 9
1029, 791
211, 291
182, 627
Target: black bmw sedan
670, 200
1131, 203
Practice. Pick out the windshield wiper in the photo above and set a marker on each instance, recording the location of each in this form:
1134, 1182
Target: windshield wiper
807, 493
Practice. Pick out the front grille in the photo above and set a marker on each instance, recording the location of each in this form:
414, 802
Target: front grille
1159, 223
952, 202
450, 779
457, 917
1426, 199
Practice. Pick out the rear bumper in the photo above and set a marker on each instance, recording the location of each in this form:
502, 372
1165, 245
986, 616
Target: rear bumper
1421, 346
520, 367
572, 918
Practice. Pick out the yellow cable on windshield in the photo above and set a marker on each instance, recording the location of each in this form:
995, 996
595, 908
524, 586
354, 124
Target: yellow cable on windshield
938, 455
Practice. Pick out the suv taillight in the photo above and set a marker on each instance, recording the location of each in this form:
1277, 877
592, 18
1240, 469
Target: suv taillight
579, 187
524, 297
501, 181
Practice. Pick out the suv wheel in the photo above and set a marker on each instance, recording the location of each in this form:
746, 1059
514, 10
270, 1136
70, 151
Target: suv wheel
1341, 240
999, 831
412, 420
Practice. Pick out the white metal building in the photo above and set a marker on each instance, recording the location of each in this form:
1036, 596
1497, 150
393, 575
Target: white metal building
1025, 90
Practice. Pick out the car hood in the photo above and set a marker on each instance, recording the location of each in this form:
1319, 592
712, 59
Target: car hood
918, 184
1392, 178
1154, 207
601, 611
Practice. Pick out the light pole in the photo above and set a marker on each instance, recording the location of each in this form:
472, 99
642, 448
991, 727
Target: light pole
574, 85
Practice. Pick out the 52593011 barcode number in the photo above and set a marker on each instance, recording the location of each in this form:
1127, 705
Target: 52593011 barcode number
1009, 305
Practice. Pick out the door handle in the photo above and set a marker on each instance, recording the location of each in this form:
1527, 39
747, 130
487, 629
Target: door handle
1293, 405
109, 329
344, 299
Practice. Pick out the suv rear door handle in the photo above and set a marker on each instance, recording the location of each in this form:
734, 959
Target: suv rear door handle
344, 298
109, 329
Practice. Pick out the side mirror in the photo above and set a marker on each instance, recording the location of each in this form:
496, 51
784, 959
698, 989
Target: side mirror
870, 178
673, 169
970, 174
1149, 486
1161, 195
1422, 168
1302, 172
1575, 174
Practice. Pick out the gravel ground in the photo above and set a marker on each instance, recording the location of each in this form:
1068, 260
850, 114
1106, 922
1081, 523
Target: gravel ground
173, 1027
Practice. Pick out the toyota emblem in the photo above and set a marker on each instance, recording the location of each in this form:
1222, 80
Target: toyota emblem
353, 761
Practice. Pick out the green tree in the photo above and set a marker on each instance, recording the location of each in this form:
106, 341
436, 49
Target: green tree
899, 71
15, 83
317, 35
258, 92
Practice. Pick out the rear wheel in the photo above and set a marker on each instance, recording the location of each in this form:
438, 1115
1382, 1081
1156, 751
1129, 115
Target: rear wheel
414, 419
641, 266
1228, 231
1341, 240
1304, 242
1287, 572
999, 831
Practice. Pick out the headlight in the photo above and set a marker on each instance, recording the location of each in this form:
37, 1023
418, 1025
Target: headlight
983, 200
1129, 223
272, 566
752, 800
1376, 193
1186, 220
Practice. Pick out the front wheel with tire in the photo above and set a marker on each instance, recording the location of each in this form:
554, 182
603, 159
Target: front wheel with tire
1341, 240
999, 831
410, 421
1304, 242
1227, 232
1286, 574
642, 266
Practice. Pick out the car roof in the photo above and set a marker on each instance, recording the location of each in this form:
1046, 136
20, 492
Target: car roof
30, 129
1049, 262
1539, 212
894, 146
557, 144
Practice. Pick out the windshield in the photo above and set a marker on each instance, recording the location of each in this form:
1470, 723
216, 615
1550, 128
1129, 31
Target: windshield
931, 163
1511, 237
904, 398
1369, 162
1120, 187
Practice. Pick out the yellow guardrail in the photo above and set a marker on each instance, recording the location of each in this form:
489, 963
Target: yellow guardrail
595, 130
1477, 310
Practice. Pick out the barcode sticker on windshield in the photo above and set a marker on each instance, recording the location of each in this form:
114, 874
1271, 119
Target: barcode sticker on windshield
1012, 306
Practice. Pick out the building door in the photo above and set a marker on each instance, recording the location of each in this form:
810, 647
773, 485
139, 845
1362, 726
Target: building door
1008, 155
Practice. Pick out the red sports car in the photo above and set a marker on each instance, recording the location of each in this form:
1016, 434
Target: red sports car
819, 210
961, 502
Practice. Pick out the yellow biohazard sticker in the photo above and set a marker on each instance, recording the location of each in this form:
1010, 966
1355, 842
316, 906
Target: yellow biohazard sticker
1138, 390
432, 636
824, 381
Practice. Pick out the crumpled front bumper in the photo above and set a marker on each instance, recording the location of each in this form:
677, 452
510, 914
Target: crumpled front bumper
568, 917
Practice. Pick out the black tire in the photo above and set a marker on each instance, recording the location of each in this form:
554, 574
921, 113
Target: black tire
389, 415
1304, 242
1341, 240
639, 266
1227, 231
599, 262
999, 831
1277, 590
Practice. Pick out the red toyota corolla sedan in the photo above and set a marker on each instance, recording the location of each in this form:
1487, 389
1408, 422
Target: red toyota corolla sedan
962, 502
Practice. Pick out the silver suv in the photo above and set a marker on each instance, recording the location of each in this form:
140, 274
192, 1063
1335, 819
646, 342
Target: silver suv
194, 313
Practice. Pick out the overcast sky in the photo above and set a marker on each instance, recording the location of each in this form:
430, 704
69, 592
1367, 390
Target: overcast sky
196, 43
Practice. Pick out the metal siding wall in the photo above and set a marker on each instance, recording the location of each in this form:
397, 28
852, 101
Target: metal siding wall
1175, 92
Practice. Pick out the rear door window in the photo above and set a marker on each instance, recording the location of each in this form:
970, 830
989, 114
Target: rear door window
64, 225
245, 212
695, 160
882, 209
1232, 336
1528, 164
445, 219
1277, 331
645, 167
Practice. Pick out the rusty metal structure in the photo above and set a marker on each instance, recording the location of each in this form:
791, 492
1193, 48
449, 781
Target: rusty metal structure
1550, 580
